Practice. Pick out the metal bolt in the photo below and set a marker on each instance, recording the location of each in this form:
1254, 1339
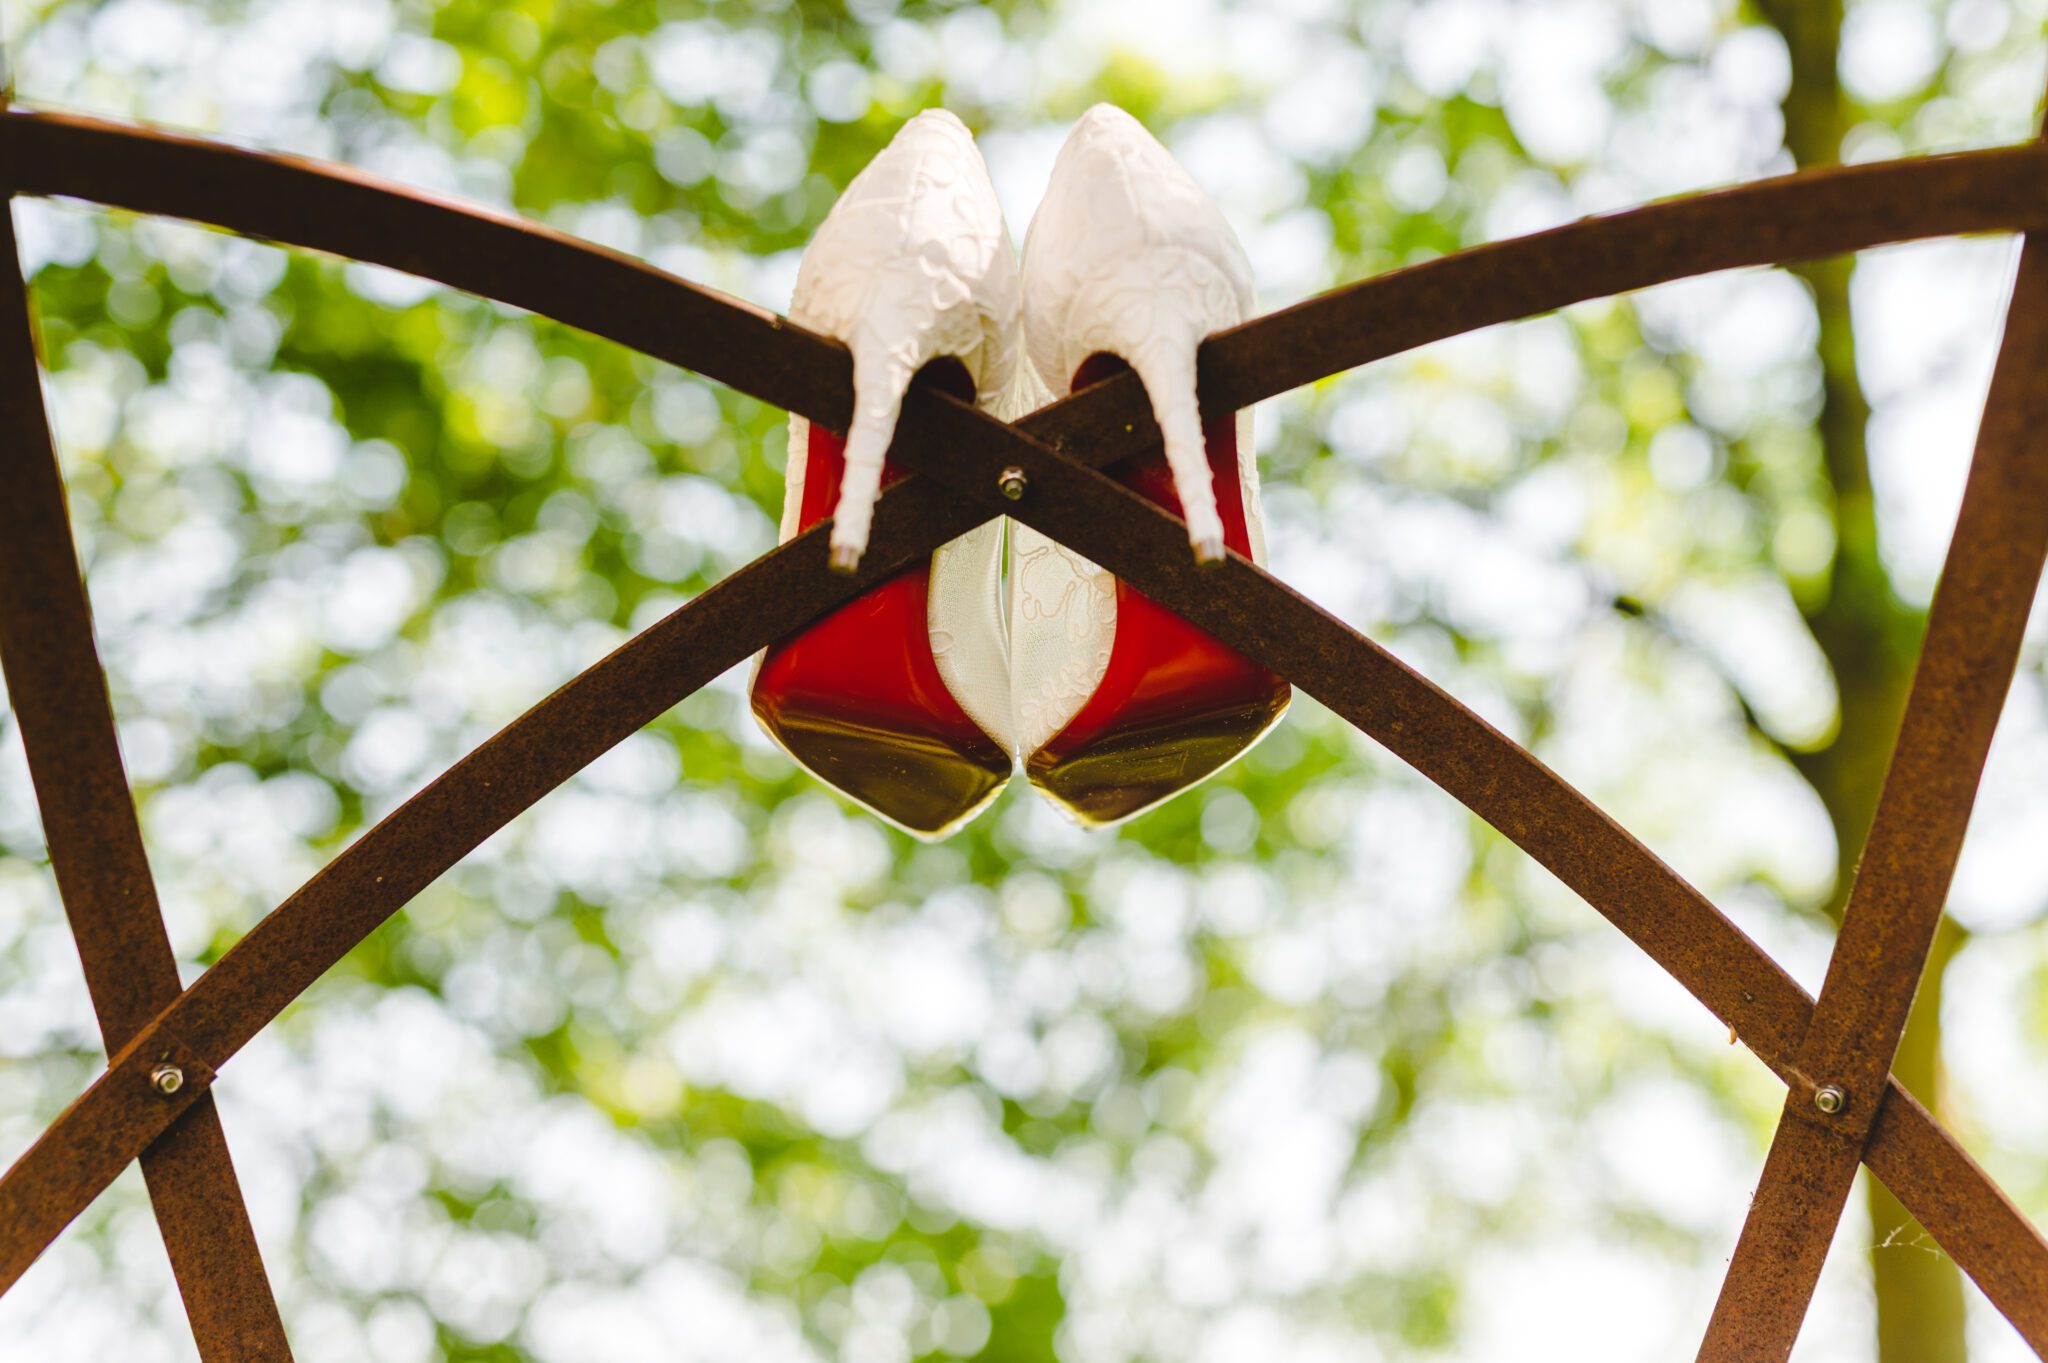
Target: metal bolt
1012, 482
167, 1079
1830, 1099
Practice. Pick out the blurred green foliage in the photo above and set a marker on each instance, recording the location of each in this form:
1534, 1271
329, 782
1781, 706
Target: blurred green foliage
340, 527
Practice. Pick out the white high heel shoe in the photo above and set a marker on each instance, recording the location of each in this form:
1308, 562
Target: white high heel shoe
1119, 703
901, 698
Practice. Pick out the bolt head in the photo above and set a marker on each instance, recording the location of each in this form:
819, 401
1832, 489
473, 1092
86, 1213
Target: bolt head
1012, 483
167, 1079
1830, 1099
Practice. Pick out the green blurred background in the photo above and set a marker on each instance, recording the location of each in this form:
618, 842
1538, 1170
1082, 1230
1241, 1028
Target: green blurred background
695, 1061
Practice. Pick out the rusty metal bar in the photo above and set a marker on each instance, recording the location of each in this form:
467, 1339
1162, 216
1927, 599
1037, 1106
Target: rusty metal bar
350, 213
1966, 665
59, 695
1852, 208
1569, 835
1807, 215
1446, 742
1968, 1215
295, 944
112, 1122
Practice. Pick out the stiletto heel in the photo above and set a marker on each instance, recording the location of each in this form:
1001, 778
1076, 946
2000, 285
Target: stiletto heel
1121, 703
900, 698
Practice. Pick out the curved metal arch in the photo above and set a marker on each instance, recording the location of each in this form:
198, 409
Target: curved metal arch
1586, 848
1975, 627
1822, 213
66, 722
1806, 215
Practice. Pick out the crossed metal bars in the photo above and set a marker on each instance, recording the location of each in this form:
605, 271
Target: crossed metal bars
1842, 1107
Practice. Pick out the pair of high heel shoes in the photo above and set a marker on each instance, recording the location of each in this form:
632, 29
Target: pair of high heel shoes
917, 698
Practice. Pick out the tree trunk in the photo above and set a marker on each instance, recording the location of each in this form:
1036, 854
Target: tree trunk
1919, 1292
1871, 639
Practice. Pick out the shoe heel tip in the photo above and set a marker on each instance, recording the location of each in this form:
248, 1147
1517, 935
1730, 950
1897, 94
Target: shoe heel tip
1209, 553
844, 560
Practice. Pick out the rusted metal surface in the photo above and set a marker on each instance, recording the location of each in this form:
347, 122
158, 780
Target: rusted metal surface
348, 213
59, 696
109, 1125
1807, 215
1441, 738
1826, 211
962, 452
1970, 1218
1974, 632
1513, 791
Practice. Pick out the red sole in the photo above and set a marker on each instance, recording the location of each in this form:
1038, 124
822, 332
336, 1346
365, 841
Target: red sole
857, 697
1175, 703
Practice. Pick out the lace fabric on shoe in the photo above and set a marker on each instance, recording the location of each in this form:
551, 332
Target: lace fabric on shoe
1062, 615
965, 613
